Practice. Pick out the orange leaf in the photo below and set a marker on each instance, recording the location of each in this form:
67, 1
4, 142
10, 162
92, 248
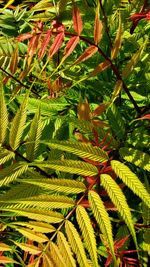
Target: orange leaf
98, 27
117, 90
77, 20
71, 45
14, 61
99, 110
44, 44
117, 43
84, 110
101, 67
89, 52
56, 44
4, 260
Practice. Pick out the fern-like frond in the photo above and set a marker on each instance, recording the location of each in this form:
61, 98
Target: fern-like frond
44, 201
136, 157
65, 250
32, 213
40, 227
116, 121
3, 116
5, 155
11, 173
47, 261
102, 219
21, 191
28, 248
32, 235
56, 255
87, 232
71, 166
119, 200
34, 136
18, 125
58, 185
131, 180
6, 51
80, 149
76, 244
47, 106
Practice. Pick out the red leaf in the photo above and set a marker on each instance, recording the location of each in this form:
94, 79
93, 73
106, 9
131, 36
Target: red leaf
120, 243
146, 117
98, 26
32, 47
71, 45
77, 20
44, 44
24, 36
56, 44
89, 52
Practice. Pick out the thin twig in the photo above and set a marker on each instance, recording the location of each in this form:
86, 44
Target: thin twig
106, 22
15, 79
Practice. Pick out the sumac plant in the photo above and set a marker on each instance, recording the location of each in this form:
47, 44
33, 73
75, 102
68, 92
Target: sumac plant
74, 133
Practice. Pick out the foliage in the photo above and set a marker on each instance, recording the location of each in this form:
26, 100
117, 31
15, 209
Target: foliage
74, 142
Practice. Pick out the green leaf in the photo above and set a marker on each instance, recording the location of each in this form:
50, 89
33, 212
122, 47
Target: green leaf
116, 121
18, 125
11, 173
3, 116
76, 244
119, 200
87, 232
65, 250
6, 155
71, 166
136, 157
82, 150
102, 219
58, 185
131, 180
34, 137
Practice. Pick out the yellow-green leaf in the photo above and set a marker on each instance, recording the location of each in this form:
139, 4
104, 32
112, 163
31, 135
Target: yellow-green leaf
70, 166
102, 219
3, 116
32, 235
137, 157
131, 180
65, 250
4, 247
76, 244
58, 185
80, 149
119, 200
87, 232
28, 248
18, 125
